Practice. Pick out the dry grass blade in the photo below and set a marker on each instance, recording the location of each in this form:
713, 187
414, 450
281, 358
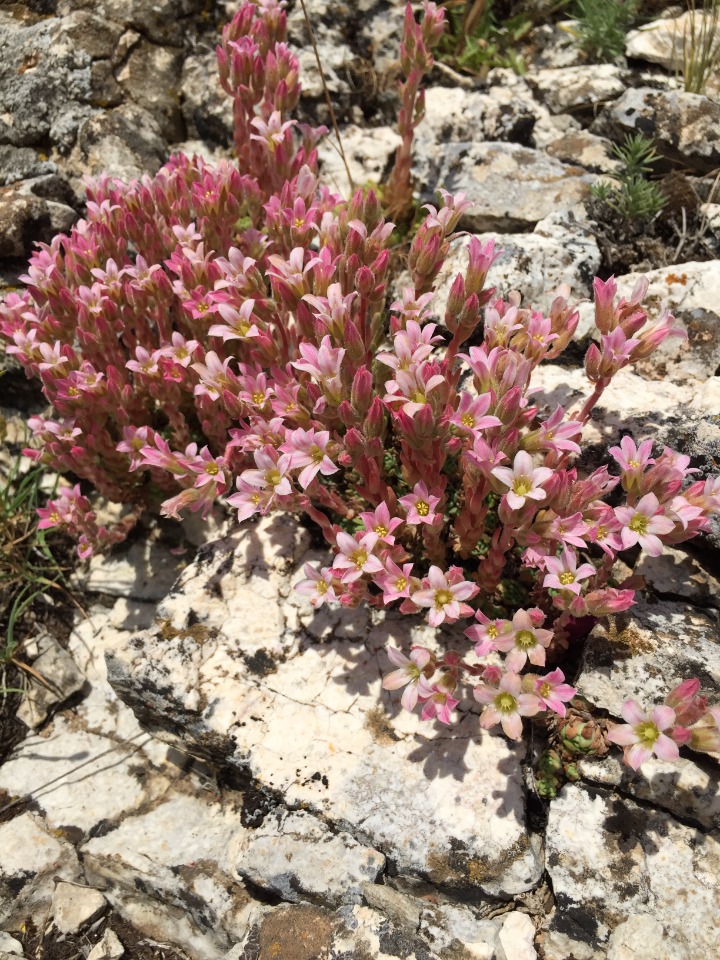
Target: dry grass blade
328, 101
701, 45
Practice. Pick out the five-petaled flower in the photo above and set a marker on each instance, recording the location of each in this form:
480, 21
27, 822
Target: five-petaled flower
643, 735
523, 480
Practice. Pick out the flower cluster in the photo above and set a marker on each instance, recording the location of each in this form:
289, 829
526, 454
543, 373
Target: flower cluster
223, 332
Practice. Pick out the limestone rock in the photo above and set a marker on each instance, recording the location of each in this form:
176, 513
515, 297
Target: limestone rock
647, 651
83, 30
161, 21
207, 109
32, 857
125, 142
506, 113
151, 78
559, 250
9, 946
640, 937
85, 779
19, 163
75, 906
55, 81
578, 88
585, 149
143, 572
688, 291
109, 948
249, 673
685, 127
661, 41
683, 788
513, 186
27, 218
369, 154
452, 929
679, 574
62, 679
610, 860
178, 854
295, 856
517, 936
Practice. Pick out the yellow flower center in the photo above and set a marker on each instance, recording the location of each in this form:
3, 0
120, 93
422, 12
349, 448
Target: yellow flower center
316, 453
55, 516
634, 464
381, 530
467, 420
601, 533
417, 396
522, 486
492, 631
647, 732
422, 508
255, 499
639, 523
400, 584
73, 392
212, 469
258, 397
273, 478
202, 307
566, 578
442, 597
545, 690
322, 586
505, 703
525, 639
359, 558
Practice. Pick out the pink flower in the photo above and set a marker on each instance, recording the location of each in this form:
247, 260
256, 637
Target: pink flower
506, 705
411, 388
642, 524
632, 461
642, 735
554, 692
356, 556
526, 642
410, 672
419, 505
323, 364
564, 573
439, 702
445, 594
470, 413
271, 473
558, 436
380, 522
394, 581
524, 480
319, 586
239, 323
249, 499
484, 634
307, 449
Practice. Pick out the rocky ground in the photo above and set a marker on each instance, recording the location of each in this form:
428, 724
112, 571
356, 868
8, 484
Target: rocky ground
216, 771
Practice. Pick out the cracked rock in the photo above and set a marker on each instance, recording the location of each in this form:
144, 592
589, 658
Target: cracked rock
684, 126
61, 679
234, 685
75, 906
32, 858
513, 186
109, 948
571, 89
295, 856
611, 860
559, 250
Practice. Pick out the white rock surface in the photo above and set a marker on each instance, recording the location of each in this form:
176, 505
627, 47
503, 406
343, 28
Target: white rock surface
177, 854
647, 651
74, 906
683, 788
517, 936
560, 249
295, 856
62, 679
369, 154
678, 574
109, 948
689, 292
450, 927
567, 89
254, 677
640, 937
661, 41
31, 859
9, 945
611, 860
139, 572
513, 186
